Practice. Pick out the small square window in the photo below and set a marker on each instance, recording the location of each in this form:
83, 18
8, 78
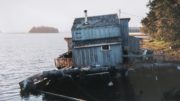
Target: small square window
105, 47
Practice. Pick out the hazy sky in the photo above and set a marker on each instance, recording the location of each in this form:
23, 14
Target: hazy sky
21, 15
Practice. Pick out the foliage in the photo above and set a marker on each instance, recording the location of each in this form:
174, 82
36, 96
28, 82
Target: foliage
163, 20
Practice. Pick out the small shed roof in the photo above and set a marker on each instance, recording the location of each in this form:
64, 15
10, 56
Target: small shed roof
96, 21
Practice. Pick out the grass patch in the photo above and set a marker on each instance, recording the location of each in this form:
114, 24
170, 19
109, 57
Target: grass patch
170, 49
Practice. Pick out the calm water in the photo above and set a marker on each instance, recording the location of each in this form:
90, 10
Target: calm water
22, 55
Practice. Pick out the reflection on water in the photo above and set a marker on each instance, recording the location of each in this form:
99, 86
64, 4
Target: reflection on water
22, 56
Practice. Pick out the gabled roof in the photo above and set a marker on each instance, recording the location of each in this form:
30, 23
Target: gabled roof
96, 21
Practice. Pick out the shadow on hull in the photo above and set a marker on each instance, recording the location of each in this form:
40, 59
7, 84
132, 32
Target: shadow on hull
140, 84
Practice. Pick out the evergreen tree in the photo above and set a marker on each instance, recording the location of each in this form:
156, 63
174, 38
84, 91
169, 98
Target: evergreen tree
163, 20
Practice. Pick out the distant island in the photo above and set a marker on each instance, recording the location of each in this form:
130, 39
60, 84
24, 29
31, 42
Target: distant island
44, 29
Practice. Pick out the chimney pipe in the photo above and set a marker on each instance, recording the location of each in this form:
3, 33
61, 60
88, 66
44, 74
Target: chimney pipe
85, 20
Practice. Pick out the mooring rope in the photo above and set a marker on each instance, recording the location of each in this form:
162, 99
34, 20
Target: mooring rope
62, 96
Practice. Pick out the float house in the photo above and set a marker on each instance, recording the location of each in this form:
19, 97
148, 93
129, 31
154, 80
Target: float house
99, 41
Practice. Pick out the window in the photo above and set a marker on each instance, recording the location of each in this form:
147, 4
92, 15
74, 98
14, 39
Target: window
105, 47
78, 35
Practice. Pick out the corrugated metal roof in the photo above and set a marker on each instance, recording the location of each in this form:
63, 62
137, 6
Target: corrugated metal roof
96, 21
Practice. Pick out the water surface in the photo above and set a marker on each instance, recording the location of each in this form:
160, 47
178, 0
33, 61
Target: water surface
22, 55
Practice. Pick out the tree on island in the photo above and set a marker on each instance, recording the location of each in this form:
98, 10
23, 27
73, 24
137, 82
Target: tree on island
44, 29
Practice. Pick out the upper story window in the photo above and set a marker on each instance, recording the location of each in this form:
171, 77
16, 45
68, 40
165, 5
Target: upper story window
78, 35
105, 47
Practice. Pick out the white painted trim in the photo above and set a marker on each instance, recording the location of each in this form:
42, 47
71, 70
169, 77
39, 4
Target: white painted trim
95, 45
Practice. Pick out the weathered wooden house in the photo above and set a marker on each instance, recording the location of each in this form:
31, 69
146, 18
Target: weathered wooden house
101, 41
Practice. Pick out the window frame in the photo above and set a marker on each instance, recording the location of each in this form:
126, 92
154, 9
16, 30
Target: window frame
103, 49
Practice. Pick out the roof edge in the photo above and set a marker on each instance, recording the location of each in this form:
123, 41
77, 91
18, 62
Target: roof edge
97, 15
125, 19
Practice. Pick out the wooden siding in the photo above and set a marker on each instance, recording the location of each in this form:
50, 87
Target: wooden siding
96, 33
125, 31
69, 43
88, 39
92, 56
134, 44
